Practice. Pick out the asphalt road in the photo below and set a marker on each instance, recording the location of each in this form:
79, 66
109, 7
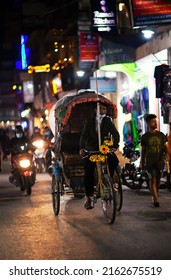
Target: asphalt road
30, 231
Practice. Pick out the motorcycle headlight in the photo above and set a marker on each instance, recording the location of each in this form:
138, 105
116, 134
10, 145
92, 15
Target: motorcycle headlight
25, 163
38, 143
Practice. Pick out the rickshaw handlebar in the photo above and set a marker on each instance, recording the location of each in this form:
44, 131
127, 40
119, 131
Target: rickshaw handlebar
88, 153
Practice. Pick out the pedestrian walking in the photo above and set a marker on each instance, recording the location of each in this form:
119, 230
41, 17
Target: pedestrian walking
153, 152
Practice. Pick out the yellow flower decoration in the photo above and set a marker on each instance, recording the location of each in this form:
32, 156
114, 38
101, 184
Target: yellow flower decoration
97, 158
108, 143
104, 149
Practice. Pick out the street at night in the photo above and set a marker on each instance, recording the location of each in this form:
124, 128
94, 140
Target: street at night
30, 230
85, 87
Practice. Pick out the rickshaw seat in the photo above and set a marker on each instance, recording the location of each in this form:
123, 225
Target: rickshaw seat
70, 142
72, 159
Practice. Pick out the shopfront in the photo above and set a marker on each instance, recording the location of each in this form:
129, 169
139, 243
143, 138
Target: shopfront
135, 93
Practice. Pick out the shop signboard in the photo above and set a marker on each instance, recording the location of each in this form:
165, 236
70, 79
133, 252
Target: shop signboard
111, 52
104, 84
103, 15
150, 12
89, 46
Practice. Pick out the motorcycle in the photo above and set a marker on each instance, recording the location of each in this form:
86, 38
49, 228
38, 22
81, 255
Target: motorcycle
23, 170
39, 155
132, 174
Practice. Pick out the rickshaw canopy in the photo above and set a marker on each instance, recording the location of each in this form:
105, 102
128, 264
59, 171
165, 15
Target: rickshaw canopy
80, 104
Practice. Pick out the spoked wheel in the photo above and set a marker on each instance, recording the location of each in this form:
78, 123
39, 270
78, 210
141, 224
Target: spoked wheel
55, 195
117, 183
108, 199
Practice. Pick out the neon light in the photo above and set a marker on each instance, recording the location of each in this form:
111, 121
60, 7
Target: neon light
40, 68
23, 52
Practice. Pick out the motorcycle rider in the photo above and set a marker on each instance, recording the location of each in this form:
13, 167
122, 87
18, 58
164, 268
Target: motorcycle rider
48, 135
36, 134
18, 140
41, 144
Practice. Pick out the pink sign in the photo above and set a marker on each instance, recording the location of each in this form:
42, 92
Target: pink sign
89, 46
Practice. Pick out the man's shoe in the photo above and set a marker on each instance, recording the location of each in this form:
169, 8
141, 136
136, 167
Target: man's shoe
156, 204
87, 205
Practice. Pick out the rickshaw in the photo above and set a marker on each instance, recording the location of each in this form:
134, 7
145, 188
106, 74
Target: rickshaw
70, 113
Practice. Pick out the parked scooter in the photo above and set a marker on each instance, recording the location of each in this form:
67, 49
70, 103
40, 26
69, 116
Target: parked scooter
23, 170
132, 175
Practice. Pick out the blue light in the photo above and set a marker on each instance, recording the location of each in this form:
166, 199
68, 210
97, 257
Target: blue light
24, 59
23, 52
24, 124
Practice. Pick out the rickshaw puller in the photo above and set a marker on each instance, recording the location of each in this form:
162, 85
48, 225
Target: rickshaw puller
89, 141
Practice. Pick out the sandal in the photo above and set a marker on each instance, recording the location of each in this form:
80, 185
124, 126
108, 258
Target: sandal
87, 205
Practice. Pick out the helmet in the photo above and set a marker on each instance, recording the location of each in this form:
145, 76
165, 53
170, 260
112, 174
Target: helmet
19, 131
18, 128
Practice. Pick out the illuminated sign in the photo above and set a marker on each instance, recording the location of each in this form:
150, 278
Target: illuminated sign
40, 68
104, 15
57, 84
146, 12
24, 54
89, 46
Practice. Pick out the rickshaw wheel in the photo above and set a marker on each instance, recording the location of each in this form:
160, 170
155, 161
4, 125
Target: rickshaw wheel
55, 195
118, 190
108, 199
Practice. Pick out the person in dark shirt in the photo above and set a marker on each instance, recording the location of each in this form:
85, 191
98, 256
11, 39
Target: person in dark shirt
153, 151
89, 141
